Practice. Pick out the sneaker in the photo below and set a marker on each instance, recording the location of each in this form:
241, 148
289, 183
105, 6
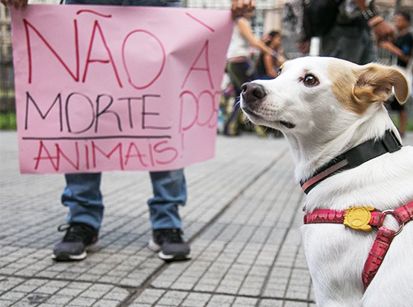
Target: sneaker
73, 246
169, 245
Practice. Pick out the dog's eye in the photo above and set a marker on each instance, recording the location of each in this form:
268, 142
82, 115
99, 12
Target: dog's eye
310, 80
279, 71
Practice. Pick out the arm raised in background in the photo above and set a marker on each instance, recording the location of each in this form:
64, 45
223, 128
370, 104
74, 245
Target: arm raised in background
246, 31
240, 7
389, 46
273, 61
16, 3
381, 28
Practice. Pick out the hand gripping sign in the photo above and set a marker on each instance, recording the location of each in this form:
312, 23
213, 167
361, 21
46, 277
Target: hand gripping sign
117, 88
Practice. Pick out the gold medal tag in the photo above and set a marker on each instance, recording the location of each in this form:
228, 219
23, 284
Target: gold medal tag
358, 218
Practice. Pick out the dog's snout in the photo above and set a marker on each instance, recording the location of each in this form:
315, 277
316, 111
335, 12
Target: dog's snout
253, 92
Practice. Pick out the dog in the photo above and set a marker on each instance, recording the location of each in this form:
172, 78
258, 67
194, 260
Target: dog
326, 107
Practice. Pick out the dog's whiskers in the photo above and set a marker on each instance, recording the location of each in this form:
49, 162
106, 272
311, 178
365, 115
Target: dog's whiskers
237, 103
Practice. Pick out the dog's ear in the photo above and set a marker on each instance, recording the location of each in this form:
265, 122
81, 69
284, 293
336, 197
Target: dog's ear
375, 83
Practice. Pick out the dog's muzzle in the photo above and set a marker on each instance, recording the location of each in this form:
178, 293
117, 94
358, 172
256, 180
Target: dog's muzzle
252, 93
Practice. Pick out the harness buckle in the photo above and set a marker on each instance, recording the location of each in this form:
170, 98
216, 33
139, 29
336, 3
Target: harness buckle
358, 218
391, 212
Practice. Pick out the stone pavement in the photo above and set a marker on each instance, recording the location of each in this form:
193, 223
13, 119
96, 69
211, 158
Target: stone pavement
242, 219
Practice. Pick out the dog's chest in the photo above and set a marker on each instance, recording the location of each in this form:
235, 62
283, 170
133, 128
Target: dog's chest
336, 254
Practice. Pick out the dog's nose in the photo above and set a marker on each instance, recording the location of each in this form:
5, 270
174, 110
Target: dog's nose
252, 92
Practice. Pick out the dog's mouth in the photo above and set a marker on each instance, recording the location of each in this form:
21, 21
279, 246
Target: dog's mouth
287, 124
252, 113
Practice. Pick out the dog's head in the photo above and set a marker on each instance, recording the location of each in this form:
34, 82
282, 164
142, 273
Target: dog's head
320, 94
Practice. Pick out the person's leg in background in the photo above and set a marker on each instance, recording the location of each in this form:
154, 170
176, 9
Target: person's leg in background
369, 53
403, 116
169, 192
83, 198
403, 122
238, 74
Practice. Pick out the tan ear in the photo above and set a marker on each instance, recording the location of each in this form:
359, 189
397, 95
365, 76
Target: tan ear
375, 83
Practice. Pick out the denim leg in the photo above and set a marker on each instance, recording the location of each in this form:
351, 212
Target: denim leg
83, 198
169, 191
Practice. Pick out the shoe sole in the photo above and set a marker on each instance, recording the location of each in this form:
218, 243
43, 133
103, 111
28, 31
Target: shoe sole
171, 258
68, 257
168, 258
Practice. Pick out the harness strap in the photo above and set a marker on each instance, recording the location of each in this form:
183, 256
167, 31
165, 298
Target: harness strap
320, 216
364, 219
376, 255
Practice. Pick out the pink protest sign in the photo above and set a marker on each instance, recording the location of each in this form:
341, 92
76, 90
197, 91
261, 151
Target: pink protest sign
117, 88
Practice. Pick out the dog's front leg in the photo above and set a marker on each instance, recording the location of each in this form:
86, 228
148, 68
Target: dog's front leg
335, 260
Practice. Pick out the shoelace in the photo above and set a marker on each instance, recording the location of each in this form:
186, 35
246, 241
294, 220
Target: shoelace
74, 232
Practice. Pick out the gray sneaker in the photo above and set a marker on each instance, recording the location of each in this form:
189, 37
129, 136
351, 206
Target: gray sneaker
169, 244
73, 246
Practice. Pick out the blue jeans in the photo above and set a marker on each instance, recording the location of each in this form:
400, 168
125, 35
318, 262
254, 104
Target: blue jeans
82, 194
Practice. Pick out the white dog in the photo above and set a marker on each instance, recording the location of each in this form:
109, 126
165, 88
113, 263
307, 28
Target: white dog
326, 107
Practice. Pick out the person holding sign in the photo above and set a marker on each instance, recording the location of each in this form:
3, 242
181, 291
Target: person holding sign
83, 197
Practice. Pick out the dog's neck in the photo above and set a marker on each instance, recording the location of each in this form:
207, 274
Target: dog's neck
310, 155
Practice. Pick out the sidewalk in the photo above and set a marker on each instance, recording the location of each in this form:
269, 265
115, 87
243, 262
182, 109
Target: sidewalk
242, 219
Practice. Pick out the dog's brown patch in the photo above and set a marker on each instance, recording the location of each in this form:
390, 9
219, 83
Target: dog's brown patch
357, 88
343, 78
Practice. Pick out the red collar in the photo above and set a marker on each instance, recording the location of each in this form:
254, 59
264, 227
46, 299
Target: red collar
365, 219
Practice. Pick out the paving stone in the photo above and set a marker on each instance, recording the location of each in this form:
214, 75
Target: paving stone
148, 296
117, 294
106, 303
83, 301
245, 302
5, 303
13, 295
196, 300
295, 304
172, 298
221, 301
59, 300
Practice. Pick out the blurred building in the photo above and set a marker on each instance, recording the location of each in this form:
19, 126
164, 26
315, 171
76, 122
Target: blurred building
6, 68
394, 4
6, 65
268, 14
4, 31
5, 37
